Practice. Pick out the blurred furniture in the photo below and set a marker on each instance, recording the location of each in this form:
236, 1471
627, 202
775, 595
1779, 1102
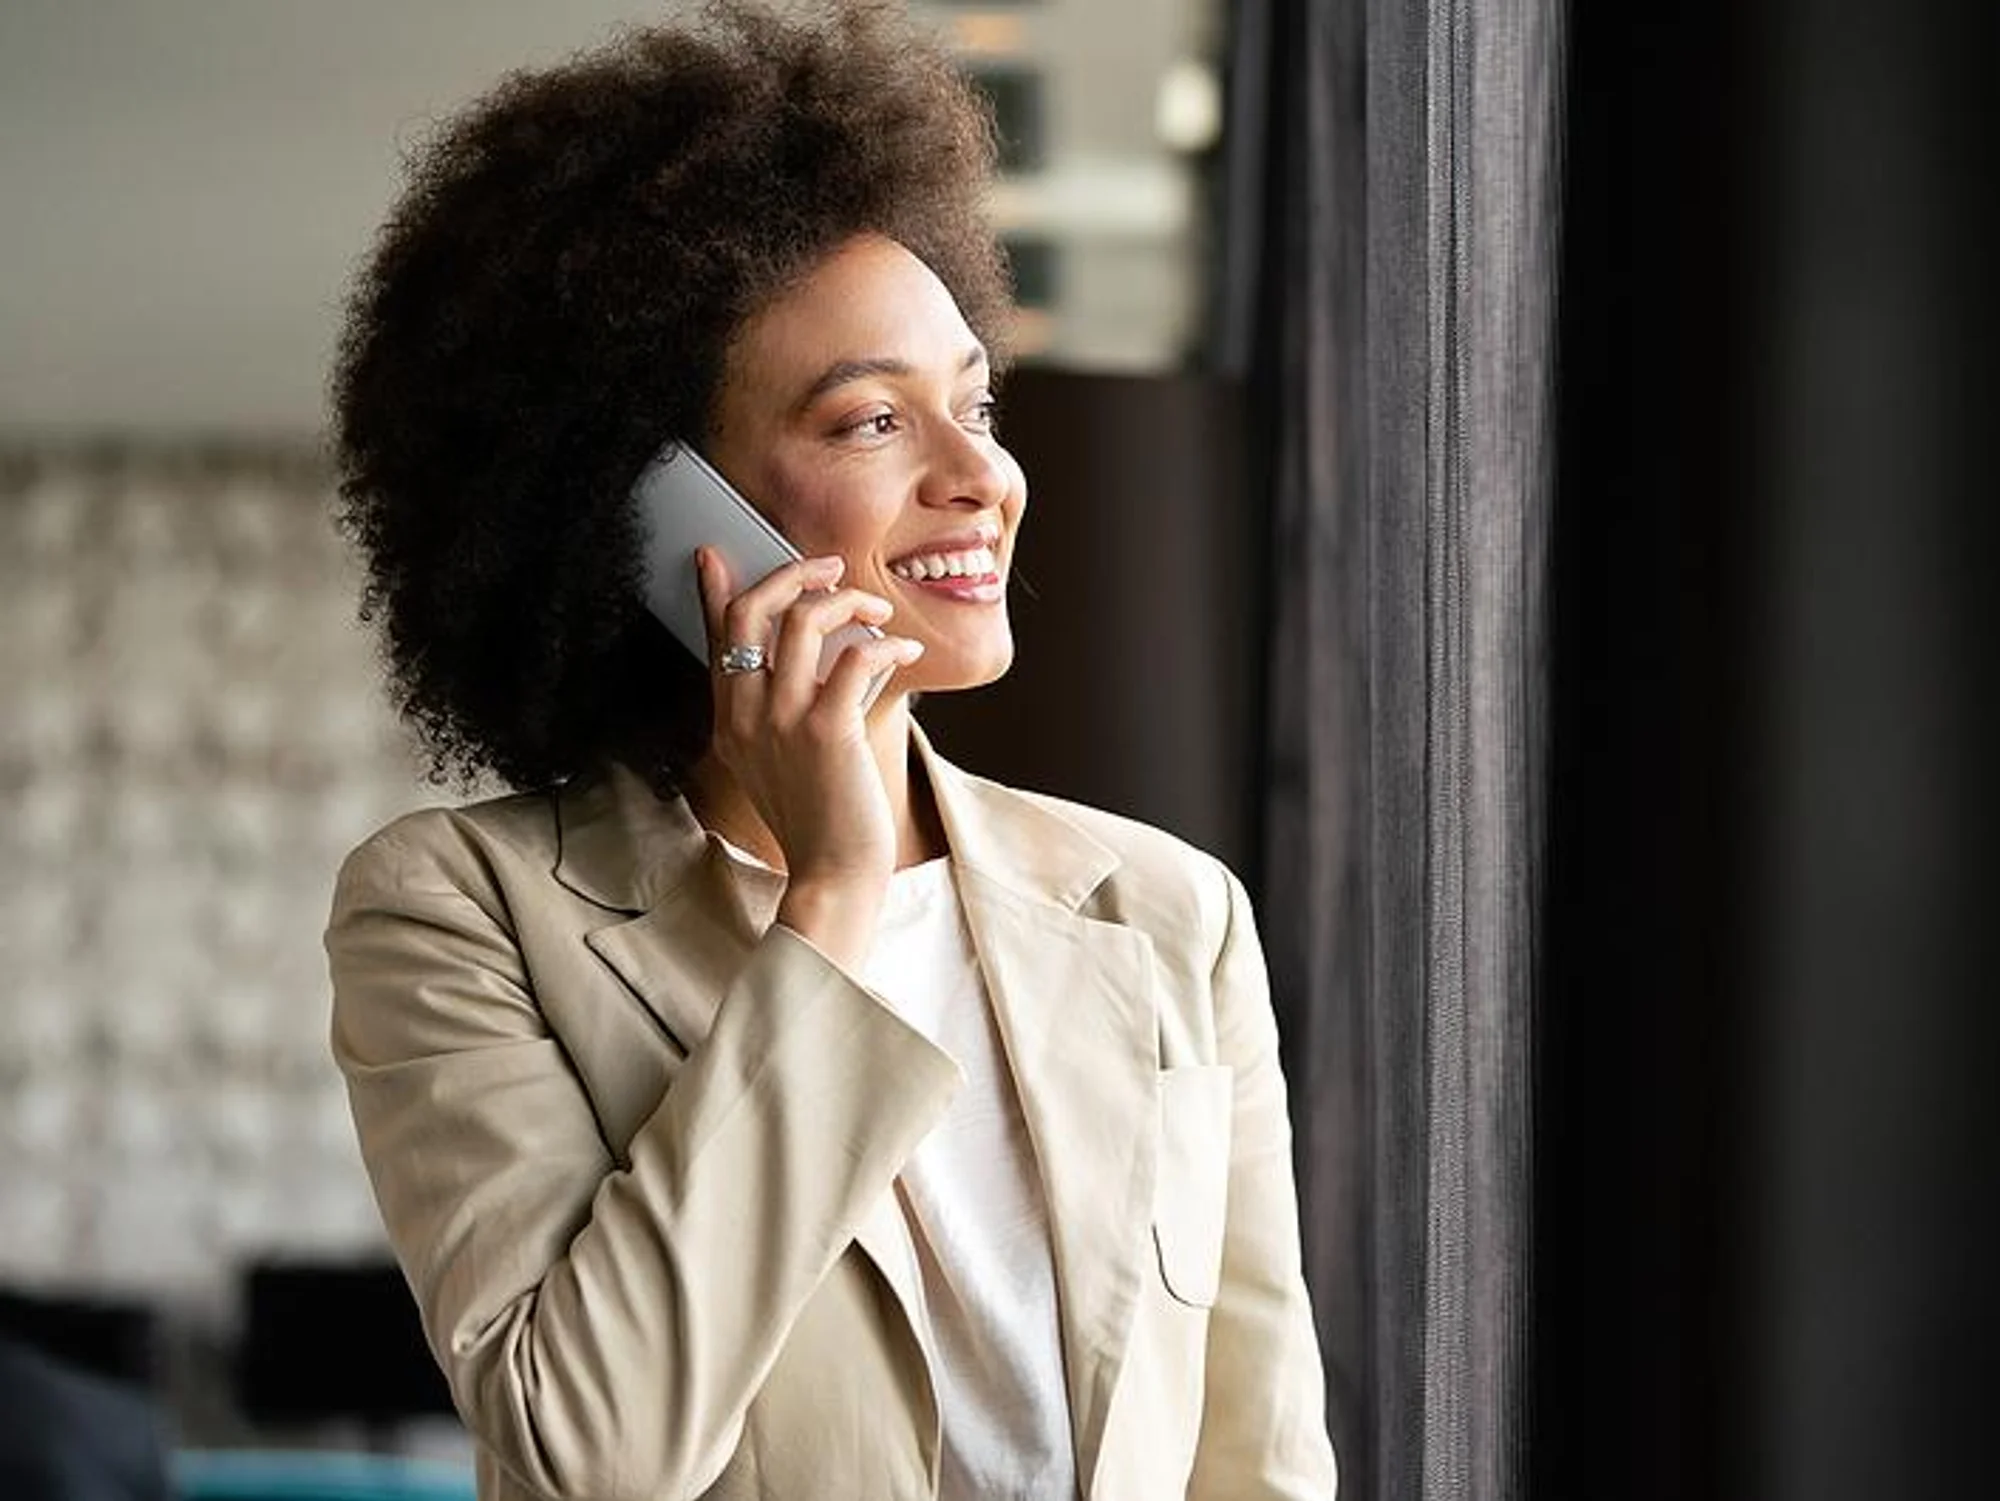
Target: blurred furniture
107, 1337
70, 1435
298, 1475
328, 1341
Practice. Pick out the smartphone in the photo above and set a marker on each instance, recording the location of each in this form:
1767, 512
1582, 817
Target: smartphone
685, 504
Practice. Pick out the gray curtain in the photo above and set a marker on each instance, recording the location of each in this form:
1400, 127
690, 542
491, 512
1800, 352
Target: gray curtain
1389, 233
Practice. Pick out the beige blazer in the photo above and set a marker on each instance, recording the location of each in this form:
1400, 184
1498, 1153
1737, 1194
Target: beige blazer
636, 1150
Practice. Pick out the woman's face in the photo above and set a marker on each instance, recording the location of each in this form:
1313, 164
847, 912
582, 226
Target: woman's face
855, 411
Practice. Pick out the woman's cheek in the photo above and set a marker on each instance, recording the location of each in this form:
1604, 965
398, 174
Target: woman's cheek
1017, 481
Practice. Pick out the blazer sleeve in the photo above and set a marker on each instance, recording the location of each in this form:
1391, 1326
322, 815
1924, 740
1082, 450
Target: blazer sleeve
1263, 1432
604, 1325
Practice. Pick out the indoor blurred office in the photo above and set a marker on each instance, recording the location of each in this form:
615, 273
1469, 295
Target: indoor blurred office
1505, 480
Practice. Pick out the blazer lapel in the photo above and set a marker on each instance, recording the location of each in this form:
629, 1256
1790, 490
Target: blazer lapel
1076, 1007
690, 922
686, 924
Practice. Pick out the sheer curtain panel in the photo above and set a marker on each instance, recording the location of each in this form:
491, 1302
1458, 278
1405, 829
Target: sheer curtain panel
1390, 225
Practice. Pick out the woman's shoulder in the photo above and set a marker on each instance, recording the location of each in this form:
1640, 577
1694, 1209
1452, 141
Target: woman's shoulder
464, 845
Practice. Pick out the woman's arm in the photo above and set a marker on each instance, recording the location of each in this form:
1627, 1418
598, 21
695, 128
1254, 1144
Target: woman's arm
604, 1326
1263, 1432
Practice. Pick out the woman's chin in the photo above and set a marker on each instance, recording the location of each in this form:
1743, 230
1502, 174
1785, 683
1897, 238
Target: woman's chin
936, 672
976, 671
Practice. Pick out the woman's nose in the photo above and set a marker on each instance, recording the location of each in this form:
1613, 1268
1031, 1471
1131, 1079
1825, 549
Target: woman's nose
967, 469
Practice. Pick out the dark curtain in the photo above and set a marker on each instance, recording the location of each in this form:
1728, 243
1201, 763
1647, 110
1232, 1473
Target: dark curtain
1766, 1241
1629, 777
1644, 1139
1389, 233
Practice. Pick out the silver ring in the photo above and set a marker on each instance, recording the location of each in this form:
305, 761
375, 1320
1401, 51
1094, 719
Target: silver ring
737, 659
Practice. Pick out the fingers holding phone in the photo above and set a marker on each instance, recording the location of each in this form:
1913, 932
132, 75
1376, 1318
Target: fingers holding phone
815, 635
798, 625
799, 747
746, 620
686, 507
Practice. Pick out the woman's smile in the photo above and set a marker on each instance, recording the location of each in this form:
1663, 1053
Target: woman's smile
964, 567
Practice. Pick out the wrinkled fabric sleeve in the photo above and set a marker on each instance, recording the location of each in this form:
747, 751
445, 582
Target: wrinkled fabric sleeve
1263, 1433
604, 1325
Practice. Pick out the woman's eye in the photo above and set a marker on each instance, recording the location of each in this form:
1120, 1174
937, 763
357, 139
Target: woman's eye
985, 416
874, 425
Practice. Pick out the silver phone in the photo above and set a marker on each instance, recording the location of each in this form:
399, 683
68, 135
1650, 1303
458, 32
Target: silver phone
685, 504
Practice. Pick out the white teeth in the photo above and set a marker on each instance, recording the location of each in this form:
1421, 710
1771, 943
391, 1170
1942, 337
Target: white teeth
975, 563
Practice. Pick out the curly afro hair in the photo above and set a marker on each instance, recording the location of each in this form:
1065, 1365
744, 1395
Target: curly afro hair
551, 300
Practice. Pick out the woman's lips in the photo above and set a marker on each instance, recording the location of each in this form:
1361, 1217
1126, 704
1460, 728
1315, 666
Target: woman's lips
966, 568
966, 589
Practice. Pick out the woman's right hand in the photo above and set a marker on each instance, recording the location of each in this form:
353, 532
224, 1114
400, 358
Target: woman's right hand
799, 748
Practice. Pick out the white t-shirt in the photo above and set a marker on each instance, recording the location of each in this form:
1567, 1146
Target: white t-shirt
978, 1216
976, 1212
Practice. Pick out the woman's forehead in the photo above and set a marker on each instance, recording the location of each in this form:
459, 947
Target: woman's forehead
868, 308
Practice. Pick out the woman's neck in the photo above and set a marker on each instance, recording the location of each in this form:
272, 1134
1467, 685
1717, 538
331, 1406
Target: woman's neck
721, 805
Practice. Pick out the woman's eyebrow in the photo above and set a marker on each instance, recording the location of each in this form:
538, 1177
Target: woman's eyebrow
840, 372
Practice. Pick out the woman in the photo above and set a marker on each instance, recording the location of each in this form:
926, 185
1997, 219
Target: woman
759, 1106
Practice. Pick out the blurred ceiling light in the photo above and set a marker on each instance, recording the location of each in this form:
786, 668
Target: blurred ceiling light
987, 33
1032, 333
1095, 197
1187, 112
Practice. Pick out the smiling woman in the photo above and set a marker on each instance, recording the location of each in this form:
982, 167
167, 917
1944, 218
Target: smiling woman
761, 1107
858, 409
571, 265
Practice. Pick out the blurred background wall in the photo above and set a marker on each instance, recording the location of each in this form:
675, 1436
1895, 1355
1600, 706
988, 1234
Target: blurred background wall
192, 737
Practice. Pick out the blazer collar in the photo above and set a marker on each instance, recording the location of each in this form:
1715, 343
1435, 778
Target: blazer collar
1011, 839
626, 848
620, 844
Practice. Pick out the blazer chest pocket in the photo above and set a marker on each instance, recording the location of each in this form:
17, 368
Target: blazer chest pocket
1191, 1200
